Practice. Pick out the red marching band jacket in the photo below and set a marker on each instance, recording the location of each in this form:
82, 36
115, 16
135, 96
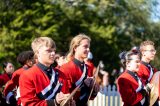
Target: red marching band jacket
4, 78
146, 72
129, 89
91, 68
75, 76
36, 87
13, 83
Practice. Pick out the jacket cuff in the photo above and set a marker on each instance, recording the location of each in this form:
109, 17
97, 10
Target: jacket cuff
9, 95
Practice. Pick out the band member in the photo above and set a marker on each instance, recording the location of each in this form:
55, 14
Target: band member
26, 60
41, 84
130, 87
76, 70
146, 70
8, 71
60, 59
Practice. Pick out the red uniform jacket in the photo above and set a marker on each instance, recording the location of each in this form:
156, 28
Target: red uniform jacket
91, 67
145, 73
4, 78
36, 87
74, 73
14, 82
127, 86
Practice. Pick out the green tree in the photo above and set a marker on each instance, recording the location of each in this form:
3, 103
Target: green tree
113, 25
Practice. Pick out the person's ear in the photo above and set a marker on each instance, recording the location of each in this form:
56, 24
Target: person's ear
5, 69
143, 53
127, 64
75, 49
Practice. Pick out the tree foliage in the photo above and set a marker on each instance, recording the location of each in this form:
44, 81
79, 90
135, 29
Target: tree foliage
113, 25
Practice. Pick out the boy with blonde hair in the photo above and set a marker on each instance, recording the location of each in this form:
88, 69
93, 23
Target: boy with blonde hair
41, 84
146, 70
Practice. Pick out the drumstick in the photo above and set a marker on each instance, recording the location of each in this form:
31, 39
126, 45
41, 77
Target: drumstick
94, 79
71, 95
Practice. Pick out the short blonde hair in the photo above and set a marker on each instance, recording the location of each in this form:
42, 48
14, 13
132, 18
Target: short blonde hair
76, 42
42, 41
145, 43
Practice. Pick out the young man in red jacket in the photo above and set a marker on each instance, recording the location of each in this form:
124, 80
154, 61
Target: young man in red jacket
41, 84
146, 70
148, 52
77, 72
